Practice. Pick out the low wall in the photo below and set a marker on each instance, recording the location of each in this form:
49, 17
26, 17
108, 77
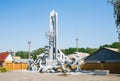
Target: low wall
114, 67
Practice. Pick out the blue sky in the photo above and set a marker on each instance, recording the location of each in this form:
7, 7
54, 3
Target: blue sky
28, 20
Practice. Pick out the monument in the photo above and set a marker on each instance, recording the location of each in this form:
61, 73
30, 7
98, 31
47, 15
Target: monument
52, 59
53, 36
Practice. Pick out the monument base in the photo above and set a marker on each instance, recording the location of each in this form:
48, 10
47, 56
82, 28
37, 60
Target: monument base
102, 72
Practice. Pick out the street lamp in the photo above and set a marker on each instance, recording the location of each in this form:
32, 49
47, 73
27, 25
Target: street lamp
29, 43
77, 44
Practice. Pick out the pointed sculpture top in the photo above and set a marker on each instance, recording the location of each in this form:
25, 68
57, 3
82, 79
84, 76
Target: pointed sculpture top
53, 13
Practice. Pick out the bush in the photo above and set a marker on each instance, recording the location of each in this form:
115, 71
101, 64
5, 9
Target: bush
3, 70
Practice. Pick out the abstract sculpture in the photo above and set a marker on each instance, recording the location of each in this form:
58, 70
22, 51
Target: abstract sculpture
53, 58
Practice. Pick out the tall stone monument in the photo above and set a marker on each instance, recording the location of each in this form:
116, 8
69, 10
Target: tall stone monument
53, 37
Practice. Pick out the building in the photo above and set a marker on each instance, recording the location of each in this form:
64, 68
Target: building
81, 55
5, 57
104, 55
18, 59
12, 63
105, 59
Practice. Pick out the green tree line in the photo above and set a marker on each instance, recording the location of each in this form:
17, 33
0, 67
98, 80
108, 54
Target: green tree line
84, 50
67, 51
113, 45
25, 54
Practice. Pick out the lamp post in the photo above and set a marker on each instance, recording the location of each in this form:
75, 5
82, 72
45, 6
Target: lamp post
29, 43
77, 44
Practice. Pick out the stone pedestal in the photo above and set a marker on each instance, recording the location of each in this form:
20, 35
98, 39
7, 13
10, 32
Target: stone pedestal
101, 72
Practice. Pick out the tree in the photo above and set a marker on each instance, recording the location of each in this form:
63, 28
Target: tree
38, 51
22, 54
84, 50
116, 45
113, 45
116, 6
106, 45
72, 50
34, 57
91, 50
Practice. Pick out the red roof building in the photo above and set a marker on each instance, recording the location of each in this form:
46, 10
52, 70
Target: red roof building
5, 57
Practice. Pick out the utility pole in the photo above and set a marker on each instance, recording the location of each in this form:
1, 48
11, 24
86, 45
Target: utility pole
29, 44
77, 44
77, 39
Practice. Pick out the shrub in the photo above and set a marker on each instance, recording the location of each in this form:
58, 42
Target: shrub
3, 70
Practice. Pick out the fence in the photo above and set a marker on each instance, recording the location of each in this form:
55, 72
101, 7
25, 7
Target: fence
114, 67
16, 66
